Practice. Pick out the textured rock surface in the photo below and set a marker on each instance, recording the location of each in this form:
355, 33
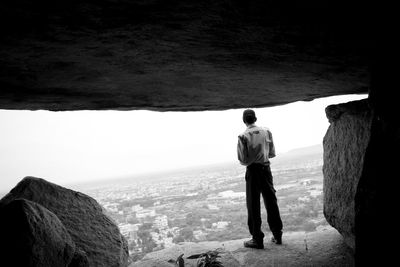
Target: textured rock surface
91, 230
345, 144
322, 248
32, 236
79, 259
180, 54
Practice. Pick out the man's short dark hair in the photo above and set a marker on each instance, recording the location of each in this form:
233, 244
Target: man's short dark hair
249, 116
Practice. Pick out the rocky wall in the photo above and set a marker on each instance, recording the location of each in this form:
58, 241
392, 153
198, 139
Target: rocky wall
345, 145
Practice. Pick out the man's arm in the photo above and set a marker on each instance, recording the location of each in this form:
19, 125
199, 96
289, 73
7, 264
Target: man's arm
271, 146
242, 151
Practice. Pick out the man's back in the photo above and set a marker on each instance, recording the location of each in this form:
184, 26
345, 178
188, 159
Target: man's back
255, 145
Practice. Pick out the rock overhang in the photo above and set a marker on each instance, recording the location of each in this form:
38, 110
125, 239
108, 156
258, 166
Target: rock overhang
180, 55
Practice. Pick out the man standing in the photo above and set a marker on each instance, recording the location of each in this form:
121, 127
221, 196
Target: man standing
255, 147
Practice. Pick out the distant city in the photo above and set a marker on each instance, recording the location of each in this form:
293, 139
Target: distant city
209, 204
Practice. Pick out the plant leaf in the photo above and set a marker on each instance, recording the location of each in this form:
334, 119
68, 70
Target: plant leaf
180, 262
195, 256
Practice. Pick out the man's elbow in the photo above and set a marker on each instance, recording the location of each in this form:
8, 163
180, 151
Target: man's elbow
242, 161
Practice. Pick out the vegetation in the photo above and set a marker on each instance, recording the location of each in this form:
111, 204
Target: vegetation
207, 259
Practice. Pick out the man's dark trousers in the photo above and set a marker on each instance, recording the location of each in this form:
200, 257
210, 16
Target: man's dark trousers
259, 181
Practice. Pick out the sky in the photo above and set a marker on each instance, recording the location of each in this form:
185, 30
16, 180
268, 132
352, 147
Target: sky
83, 146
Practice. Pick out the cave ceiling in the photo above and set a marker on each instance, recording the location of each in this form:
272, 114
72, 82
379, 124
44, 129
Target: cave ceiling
179, 55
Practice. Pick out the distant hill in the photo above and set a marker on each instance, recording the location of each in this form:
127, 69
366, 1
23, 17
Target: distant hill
303, 151
295, 158
299, 157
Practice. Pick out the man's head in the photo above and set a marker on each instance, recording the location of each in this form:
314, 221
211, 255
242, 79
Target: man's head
249, 116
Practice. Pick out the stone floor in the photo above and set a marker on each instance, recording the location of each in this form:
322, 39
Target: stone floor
321, 248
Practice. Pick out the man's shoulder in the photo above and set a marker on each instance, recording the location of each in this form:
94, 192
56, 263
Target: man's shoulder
261, 128
249, 131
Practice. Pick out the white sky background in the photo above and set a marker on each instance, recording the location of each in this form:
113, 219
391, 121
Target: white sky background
81, 146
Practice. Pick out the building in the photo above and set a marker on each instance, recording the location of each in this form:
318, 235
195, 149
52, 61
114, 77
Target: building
232, 194
220, 225
143, 213
161, 222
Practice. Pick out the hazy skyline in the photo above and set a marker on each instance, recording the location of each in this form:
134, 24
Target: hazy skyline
82, 146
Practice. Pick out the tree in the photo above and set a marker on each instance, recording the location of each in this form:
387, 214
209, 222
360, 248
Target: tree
187, 234
178, 239
308, 226
145, 226
147, 242
132, 220
193, 219
132, 245
304, 213
149, 246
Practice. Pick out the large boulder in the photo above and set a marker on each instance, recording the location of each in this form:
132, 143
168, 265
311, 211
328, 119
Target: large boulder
93, 232
32, 236
345, 144
80, 259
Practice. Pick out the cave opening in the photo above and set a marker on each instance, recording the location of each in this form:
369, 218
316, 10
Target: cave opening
195, 55
172, 177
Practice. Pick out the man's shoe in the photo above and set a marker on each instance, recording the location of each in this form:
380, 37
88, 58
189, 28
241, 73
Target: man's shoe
254, 244
277, 238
